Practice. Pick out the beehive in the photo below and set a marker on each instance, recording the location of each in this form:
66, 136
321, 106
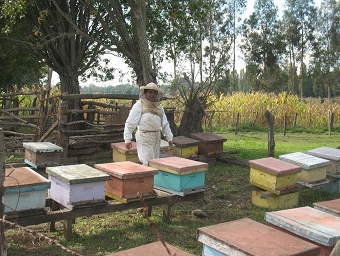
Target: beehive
185, 147
42, 154
248, 237
313, 168
273, 175
179, 175
330, 206
127, 179
156, 248
314, 225
265, 199
24, 190
331, 154
209, 143
76, 185
120, 153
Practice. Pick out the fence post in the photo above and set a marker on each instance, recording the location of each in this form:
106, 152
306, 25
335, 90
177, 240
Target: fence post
284, 124
236, 123
270, 126
330, 122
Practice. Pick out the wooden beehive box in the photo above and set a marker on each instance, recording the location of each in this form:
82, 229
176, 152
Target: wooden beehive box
76, 185
273, 175
313, 168
152, 249
311, 224
266, 199
127, 179
330, 206
42, 154
209, 143
24, 190
248, 237
185, 147
331, 154
120, 153
179, 175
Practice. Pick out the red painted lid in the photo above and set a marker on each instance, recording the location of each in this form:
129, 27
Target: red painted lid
274, 166
126, 169
254, 238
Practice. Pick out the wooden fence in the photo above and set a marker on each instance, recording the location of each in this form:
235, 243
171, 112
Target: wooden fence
84, 125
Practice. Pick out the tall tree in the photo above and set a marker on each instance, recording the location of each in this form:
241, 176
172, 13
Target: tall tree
301, 18
263, 46
326, 48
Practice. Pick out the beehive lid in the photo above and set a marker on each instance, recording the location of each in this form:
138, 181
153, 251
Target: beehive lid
120, 146
24, 179
126, 169
331, 206
183, 141
207, 137
76, 174
156, 248
249, 237
42, 147
178, 165
326, 153
305, 161
274, 166
315, 225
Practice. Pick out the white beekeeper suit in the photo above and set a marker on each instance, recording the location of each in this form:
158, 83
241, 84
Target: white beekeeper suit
150, 120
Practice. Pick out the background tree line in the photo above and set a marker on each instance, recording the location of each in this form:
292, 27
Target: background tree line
297, 52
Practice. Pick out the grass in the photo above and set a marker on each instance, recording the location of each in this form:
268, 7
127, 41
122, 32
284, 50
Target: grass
227, 198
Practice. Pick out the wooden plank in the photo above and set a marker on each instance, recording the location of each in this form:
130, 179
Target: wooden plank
112, 206
49, 131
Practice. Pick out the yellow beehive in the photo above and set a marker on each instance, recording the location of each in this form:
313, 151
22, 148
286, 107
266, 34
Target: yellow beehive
265, 199
273, 174
120, 153
185, 147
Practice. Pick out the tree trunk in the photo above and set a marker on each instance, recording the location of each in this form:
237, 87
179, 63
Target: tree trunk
192, 118
3, 247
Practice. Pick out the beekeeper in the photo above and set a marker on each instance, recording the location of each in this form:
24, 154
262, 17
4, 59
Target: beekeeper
148, 116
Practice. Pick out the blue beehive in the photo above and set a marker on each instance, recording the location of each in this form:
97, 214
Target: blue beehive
178, 175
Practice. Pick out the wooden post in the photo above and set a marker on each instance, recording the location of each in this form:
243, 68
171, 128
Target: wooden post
295, 119
270, 126
3, 247
330, 122
285, 124
236, 123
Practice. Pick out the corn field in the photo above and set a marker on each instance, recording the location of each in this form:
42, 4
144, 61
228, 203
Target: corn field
249, 108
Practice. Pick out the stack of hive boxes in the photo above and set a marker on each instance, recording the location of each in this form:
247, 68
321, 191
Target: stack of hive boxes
179, 176
313, 169
276, 183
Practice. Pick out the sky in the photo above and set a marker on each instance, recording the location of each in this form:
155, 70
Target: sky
166, 65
